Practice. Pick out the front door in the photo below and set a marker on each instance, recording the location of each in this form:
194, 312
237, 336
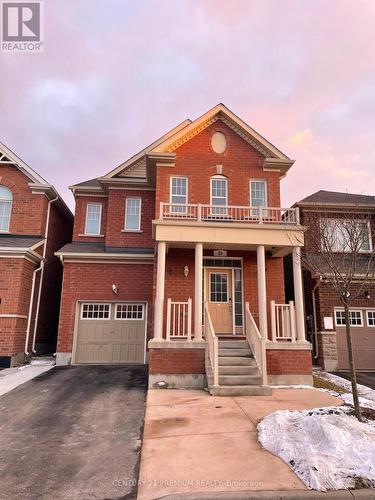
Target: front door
219, 298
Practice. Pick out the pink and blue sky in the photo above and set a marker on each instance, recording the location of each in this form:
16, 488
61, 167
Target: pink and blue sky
117, 74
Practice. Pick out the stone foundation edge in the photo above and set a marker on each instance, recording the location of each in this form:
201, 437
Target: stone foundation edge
63, 358
290, 379
178, 381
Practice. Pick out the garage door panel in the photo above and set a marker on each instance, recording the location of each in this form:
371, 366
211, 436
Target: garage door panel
110, 340
363, 341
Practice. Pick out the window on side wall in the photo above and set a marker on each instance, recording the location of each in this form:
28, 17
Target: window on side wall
258, 195
93, 219
133, 214
371, 318
179, 194
5, 208
339, 235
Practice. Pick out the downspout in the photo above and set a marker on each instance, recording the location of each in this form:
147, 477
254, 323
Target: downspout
31, 307
316, 355
42, 273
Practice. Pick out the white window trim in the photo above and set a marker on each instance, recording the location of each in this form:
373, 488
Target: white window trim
367, 318
350, 310
219, 178
367, 222
209, 287
100, 219
130, 304
138, 229
265, 191
170, 193
95, 304
7, 230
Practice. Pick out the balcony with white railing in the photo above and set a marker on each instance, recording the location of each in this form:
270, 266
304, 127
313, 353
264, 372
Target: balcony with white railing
229, 213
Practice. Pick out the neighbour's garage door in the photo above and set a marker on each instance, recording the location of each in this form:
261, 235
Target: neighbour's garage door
363, 339
111, 333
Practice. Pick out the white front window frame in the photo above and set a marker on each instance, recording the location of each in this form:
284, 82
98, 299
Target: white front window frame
372, 311
139, 214
254, 205
6, 201
351, 311
178, 207
222, 208
87, 233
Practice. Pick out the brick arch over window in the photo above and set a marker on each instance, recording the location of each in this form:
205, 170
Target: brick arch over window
6, 199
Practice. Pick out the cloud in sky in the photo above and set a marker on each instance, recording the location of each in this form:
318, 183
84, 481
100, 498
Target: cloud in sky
115, 75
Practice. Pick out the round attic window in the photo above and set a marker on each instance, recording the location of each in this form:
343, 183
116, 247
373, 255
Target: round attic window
219, 142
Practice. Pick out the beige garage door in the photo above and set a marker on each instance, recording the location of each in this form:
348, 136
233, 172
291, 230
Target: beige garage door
111, 333
363, 340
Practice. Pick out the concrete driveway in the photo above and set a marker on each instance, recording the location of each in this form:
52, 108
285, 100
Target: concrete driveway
73, 433
364, 378
194, 442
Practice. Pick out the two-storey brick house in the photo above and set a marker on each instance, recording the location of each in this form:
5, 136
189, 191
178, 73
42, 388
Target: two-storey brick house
179, 252
34, 223
323, 307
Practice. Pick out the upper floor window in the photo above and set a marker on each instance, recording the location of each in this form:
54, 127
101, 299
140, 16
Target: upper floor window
93, 219
340, 235
179, 194
133, 214
258, 193
5, 208
219, 194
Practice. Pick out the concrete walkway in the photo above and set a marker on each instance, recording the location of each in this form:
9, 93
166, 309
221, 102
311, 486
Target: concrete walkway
194, 442
10, 378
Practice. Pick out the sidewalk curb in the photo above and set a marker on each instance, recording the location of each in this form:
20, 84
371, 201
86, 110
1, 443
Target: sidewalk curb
274, 495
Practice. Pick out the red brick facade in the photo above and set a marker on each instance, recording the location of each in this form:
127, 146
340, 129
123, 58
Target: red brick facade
92, 281
288, 362
28, 218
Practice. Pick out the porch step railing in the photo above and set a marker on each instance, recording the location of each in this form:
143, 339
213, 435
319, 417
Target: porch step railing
179, 320
283, 322
229, 213
256, 342
212, 344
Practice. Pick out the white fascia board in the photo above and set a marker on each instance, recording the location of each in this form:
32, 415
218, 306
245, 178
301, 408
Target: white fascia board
24, 167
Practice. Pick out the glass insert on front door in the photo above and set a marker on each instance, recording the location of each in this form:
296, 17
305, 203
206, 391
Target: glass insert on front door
218, 287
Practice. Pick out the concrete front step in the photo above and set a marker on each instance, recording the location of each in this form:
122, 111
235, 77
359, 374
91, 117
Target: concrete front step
240, 379
238, 370
235, 352
237, 344
43, 361
236, 361
240, 390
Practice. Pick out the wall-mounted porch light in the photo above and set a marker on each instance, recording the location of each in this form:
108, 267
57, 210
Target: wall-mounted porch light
186, 271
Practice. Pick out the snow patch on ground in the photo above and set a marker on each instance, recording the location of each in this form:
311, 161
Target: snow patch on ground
325, 447
363, 390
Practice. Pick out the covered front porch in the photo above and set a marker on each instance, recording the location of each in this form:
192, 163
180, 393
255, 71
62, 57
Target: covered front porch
214, 290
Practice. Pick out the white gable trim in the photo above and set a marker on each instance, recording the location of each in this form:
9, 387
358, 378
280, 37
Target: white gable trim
20, 164
230, 119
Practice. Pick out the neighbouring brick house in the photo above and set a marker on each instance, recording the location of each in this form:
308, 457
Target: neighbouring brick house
177, 260
326, 324
34, 223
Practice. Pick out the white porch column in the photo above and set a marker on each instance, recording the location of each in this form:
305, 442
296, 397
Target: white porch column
159, 299
198, 291
262, 294
298, 294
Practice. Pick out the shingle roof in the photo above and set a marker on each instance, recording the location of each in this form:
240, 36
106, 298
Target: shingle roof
89, 183
78, 247
336, 198
14, 241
